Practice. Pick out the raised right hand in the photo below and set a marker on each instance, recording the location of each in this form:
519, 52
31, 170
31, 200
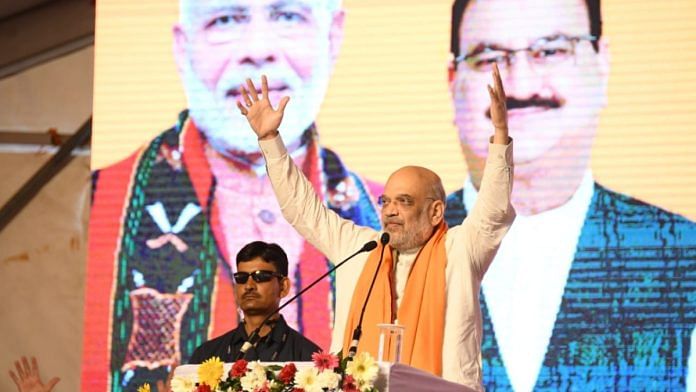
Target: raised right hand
264, 120
498, 108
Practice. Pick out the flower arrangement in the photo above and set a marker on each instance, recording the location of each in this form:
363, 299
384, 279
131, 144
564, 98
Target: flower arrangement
328, 373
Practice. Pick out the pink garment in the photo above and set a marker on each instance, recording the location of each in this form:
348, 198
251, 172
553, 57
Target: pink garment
250, 212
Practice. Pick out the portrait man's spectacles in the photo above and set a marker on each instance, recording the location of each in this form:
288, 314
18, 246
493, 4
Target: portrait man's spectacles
545, 51
259, 276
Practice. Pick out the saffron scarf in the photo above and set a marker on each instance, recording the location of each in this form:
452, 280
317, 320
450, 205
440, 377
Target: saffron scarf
422, 309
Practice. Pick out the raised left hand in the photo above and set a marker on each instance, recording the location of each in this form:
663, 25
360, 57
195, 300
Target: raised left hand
498, 108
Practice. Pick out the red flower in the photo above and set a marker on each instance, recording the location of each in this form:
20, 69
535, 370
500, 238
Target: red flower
203, 388
324, 361
239, 369
349, 384
287, 373
297, 389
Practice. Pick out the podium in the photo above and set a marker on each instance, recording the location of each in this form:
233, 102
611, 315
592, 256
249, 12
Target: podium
392, 377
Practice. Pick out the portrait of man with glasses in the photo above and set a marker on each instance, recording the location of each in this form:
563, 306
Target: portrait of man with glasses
591, 289
173, 214
260, 282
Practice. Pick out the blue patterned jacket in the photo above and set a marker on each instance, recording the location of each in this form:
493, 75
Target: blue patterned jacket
628, 308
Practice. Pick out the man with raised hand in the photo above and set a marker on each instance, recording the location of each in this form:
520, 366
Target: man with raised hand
430, 276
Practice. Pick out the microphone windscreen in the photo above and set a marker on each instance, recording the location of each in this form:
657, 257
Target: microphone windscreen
369, 246
384, 239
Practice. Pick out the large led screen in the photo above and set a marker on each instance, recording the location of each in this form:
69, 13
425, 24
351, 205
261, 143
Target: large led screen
594, 286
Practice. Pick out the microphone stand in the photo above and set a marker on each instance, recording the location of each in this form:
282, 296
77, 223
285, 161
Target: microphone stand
255, 335
384, 240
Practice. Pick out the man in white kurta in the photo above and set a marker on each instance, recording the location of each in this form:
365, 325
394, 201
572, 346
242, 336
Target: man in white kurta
470, 247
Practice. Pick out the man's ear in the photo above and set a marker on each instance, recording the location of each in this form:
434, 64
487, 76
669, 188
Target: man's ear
179, 47
234, 291
451, 77
604, 66
336, 35
438, 212
451, 72
284, 287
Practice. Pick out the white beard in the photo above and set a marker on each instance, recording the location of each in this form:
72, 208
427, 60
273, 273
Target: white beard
228, 131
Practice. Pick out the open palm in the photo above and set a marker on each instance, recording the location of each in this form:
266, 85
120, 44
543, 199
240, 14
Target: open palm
28, 379
264, 120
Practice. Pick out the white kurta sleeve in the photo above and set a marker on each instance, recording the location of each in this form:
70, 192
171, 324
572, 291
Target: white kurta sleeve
332, 235
492, 214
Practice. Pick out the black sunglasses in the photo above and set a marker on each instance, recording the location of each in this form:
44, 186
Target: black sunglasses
259, 276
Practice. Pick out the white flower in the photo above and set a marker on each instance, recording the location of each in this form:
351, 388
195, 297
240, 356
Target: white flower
182, 384
254, 377
364, 370
328, 379
308, 379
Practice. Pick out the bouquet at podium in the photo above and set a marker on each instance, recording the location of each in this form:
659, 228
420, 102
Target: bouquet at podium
326, 372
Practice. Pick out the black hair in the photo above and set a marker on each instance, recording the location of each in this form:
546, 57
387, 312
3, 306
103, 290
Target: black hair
593, 10
271, 253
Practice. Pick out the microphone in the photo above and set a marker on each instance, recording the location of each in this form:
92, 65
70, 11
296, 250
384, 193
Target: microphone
384, 240
255, 335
